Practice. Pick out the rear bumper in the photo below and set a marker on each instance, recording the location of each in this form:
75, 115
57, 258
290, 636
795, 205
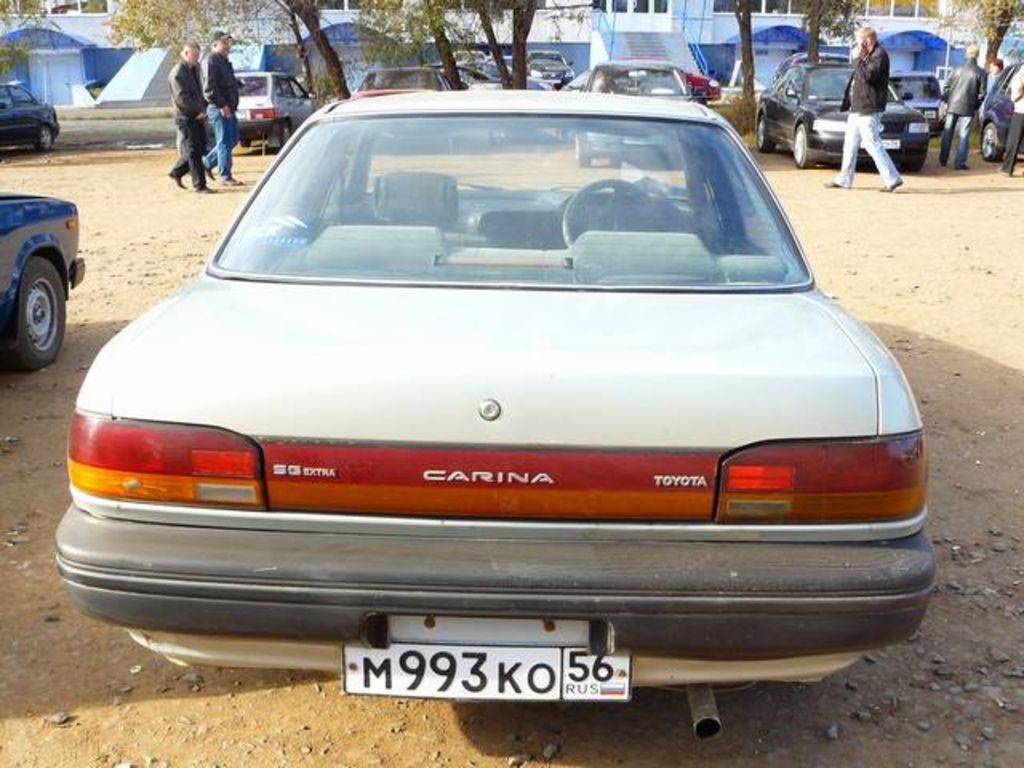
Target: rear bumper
256, 129
724, 601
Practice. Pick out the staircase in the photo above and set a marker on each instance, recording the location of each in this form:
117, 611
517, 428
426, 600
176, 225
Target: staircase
659, 46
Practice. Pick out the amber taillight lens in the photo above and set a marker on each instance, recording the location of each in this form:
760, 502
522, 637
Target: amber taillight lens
834, 481
157, 462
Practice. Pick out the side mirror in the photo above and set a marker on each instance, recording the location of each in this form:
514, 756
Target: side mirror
791, 92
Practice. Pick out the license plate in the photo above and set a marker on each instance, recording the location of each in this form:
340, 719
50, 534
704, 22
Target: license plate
931, 114
243, 114
486, 673
891, 143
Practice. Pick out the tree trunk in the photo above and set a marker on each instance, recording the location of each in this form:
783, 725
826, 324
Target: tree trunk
813, 30
300, 49
308, 12
743, 16
492, 42
444, 47
522, 21
994, 40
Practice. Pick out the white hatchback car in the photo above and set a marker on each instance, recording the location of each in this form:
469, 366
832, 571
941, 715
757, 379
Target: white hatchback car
453, 416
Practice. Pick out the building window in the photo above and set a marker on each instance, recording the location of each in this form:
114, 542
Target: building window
661, 6
928, 8
904, 7
725, 6
879, 7
776, 6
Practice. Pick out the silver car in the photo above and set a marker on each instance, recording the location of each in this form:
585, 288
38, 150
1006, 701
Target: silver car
272, 105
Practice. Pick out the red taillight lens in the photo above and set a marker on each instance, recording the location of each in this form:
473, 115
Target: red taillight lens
263, 114
149, 461
825, 481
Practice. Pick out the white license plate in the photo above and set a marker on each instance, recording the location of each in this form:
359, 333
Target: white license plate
486, 673
891, 143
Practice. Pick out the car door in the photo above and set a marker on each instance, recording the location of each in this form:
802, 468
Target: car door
780, 108
304, 106
27, 115
7, 116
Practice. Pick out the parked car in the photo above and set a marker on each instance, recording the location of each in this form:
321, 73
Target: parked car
472, 77
996, 113
387, 81
271, 106
25, 120
39, 266
703, 88
490, 68
528, 431
549, 66
802, 112
921, 91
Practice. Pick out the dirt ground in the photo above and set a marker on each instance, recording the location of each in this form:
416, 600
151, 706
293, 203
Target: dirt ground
935, 269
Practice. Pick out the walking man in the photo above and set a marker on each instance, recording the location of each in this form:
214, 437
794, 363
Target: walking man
221, 91
866, 96
190, 118
1015, 135
963, 94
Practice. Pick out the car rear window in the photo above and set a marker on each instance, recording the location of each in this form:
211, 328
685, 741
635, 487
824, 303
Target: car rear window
252, 85
639, 82
521, 200
399, 79
922, 87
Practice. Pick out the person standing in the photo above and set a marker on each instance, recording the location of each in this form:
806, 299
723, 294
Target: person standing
221, 91
190, 118
1015, 135
964, 94
866, 96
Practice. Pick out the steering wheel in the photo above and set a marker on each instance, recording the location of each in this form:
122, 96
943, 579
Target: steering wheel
588, 201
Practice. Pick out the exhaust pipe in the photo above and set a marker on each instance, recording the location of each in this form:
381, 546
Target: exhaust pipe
703, 711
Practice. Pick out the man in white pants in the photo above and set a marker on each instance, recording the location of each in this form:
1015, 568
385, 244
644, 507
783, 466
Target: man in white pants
866, 97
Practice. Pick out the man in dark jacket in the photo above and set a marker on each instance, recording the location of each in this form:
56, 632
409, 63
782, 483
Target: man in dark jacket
866, 96
221, 91
963, 94
190, 117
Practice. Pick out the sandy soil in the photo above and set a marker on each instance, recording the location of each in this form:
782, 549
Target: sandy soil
936, 270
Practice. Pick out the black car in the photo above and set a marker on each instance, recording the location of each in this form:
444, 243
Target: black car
802, 112
24, 120
550, 67
996, 113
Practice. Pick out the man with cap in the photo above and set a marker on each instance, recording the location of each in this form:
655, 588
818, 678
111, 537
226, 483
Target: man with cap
221, 91
190, 117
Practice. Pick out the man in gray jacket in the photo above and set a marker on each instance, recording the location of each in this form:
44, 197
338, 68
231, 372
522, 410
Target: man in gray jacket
963, 94
190, 117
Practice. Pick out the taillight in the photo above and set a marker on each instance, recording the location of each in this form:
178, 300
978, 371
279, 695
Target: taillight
824, 481
263, 114
150, 461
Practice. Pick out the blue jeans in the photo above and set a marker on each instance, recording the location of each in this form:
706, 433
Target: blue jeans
225, 134
866, 130
962, 125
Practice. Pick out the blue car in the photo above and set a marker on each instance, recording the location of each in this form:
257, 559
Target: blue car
921, 91
995, 116
39, 265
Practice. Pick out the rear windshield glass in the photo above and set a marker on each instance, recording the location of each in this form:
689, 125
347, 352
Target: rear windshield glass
399, 79
638, 82
922, 87
520, 200
252, 86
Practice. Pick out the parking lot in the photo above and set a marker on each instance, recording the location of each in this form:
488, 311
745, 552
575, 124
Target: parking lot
935, 270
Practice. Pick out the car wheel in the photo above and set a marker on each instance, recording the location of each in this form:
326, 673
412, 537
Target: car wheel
764, 145
40, 317
45, 141
990, 149
582, 154
801, 151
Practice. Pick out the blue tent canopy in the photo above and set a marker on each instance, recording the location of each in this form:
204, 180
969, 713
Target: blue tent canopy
36, 38
779, 34
343, 33
913, 40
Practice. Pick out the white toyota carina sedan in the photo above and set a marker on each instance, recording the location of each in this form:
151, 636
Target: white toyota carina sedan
452, 416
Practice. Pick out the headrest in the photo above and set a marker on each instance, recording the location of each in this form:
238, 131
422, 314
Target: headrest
378, 250
741, 268
413, 197
633, 257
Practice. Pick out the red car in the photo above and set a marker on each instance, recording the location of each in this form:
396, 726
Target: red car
704, 88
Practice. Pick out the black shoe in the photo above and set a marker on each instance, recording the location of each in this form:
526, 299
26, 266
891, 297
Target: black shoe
209, 173
892, 187
176, 180
962, 168
205, 191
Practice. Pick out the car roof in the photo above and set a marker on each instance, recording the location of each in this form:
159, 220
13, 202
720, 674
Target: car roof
637, 64
827, 65
479, 102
